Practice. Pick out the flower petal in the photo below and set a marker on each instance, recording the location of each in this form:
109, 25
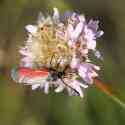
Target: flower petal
31, 29
46, 87
74, 62
93, 25
60, 88
56, 15
98, 55
77, 31
40, 19
91, 44
35, 86
99, 33
83, 85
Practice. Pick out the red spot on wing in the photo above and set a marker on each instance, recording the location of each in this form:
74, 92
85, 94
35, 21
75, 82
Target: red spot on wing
31, 73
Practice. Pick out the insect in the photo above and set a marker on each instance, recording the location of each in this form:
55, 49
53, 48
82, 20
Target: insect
27, 75
30, 76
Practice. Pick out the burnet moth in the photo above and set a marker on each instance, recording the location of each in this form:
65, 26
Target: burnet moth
26, 75
30, 76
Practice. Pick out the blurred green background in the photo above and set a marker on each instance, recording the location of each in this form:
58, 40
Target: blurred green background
19, 105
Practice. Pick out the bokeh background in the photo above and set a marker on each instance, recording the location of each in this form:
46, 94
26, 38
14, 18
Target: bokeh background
19, 105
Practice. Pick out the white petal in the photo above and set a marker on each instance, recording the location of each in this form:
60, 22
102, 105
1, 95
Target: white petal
83, 85
91, 44
84, 51
46, 87
31, 29
76, 85
48, 21
40, 18
81, 18
35, 86
25, 53
89, 35
69, 32
56, 13
99, 33
96, 67
60, 88
93, 74
77, 30
79, 90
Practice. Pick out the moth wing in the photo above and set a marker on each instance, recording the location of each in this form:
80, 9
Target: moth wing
15, 74
32, 81
35, 82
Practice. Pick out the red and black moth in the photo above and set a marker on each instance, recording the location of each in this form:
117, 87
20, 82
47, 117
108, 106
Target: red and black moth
30, 76
25, 75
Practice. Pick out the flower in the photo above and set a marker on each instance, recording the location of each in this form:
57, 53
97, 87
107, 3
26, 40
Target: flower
62, 45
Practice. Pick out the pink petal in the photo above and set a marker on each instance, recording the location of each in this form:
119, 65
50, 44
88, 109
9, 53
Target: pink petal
77, 31
91, 44
26, 59
25, 53
74, 63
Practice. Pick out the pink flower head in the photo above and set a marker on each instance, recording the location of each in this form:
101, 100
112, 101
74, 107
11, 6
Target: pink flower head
61, 44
